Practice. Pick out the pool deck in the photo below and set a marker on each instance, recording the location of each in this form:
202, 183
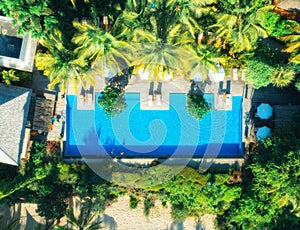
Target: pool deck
227, 88
156, 95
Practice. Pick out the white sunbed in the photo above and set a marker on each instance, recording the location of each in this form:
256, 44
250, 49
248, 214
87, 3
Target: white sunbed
158, 99
80, 100
235, 74
90, 99
243, 74
228, 99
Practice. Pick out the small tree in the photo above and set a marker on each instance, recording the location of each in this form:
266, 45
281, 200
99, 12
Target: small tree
8, 76
197, 106
112, 101
257, 74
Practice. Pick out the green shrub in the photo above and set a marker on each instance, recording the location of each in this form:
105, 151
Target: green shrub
134, 201
275, 25
179, 213
149, 202
257, 74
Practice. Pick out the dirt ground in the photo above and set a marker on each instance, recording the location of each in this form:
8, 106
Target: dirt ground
118, 216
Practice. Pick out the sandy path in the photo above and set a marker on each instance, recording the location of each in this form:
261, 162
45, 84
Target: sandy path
117, 217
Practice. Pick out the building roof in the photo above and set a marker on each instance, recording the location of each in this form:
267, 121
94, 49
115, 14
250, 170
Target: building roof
14, 107
16, 51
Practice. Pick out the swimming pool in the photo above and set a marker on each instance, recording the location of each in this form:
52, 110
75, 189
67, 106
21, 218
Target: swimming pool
153, 133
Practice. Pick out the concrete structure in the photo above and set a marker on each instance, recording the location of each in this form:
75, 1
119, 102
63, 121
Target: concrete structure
24, 60
14, 107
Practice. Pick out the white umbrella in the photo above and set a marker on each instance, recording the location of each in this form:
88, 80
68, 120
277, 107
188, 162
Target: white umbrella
218, 76
144, 74
264, 111
263, 133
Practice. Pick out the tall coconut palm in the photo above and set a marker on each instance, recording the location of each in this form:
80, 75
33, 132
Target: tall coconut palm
85, 220
293, 45
282, 76
99, 48
160, 59
202, 60
61, 65
185, 12
240, 28
133, 24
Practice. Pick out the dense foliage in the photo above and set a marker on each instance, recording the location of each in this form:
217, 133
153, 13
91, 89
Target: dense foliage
197, 106
112, 101
187, 36
204, 32
272, 198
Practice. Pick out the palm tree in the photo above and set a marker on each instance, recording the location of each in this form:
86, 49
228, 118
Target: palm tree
61, 65
160, 59
99, 48
202, 60
240, 28
294, 44
85, 220
133, 24
282, 76
185, 12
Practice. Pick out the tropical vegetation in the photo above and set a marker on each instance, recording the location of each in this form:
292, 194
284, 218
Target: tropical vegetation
80, 39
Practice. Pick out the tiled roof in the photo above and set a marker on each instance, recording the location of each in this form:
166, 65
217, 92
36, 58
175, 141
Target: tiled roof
14, 106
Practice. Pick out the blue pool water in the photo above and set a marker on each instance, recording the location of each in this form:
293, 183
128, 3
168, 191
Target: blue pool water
153, 133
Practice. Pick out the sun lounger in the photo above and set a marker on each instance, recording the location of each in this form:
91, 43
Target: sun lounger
150, 100
228, 99
243, 74
90, 99
235, 74
158, 99
80, 100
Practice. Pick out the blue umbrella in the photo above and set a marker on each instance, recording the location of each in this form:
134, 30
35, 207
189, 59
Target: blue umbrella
264, 111
263, 133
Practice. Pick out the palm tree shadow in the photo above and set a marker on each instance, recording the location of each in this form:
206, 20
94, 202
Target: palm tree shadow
10, 216
30, 221
176, 226
197, 88
109, 222
119, 82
